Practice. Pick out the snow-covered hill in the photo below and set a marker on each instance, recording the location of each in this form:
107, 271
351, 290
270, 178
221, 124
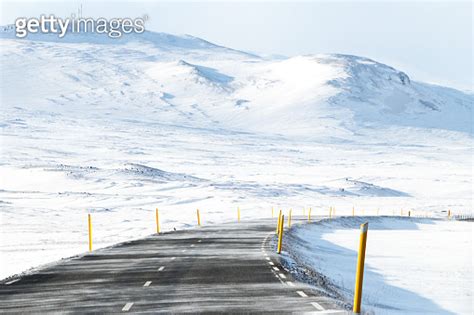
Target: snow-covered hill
119, 127
199, 83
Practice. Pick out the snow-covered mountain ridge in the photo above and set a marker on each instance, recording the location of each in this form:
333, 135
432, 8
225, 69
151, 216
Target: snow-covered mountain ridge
206, 84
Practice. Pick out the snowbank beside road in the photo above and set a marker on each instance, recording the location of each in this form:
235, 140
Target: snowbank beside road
413, 266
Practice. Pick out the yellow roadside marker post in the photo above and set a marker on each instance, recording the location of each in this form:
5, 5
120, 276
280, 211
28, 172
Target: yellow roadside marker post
449, 214
280, 234
409, 213
289, 219
198, 217
330, 212
378, 210
304, 211
238, 214
157, 221
278, 223
309, 215
353, 211
89, 221
272, 212
360, 268
401, 212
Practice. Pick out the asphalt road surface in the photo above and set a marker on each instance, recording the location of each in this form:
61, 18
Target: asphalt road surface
227, 268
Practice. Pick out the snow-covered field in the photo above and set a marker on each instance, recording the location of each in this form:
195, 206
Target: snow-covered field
413, 266
119, 127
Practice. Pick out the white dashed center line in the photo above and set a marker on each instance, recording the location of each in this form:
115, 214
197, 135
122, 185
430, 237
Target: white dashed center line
127, 307
282, 276
183, 250
173, 258
291, 284
317, 306
192, 245
199, 241
267, 258
147, 284
12, 281
271, 263
276, 269
161, 268
301, 293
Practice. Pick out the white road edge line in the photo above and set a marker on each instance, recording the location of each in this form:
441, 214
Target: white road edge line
161, 268
301, 293
127, 307
147, 284
317, 306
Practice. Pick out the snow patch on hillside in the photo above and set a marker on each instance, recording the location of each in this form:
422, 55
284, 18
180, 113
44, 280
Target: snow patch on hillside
348, 187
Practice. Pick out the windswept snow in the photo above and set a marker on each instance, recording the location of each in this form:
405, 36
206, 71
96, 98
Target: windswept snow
413, 266
351, 187
117, 128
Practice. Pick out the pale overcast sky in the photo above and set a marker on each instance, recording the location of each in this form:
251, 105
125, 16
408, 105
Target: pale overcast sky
430, 40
